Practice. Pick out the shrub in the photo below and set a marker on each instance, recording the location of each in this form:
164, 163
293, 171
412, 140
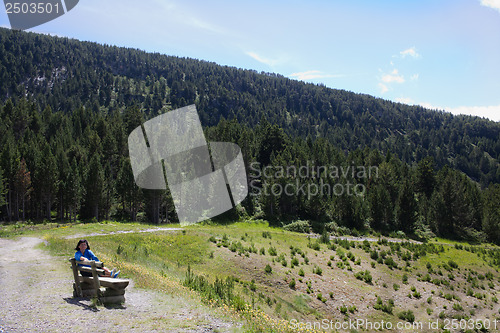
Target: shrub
426, 278
292, 284
266, 234
298, 226
317, 270
315, 246
252, 286
390, 263
452, 264
407, 315
268, 269
325, 237
301, 272
365, 276
405, 279
272, 251
395, 286
387, 308
294, 262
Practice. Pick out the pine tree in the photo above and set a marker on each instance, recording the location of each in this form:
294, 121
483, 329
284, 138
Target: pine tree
22, 188
129, 193
9, 162
74, 191
94, 186
425, 177
491, 213
406, 208
48, 180
3, 190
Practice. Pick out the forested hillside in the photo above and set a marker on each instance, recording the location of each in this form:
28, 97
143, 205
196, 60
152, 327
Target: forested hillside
67, 108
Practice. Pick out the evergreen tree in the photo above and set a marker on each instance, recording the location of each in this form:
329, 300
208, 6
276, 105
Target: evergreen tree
48, 180
425, 177
406, 208
94, 186
3, 190
74, 191
129, 193
22, 188
491, 212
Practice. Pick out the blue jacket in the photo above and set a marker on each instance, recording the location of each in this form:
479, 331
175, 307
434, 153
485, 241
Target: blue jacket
87, 254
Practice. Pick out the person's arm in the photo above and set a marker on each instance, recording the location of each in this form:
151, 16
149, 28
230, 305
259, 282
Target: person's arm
79, 256
92, 256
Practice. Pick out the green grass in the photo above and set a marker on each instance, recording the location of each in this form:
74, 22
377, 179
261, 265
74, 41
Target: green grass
315, 286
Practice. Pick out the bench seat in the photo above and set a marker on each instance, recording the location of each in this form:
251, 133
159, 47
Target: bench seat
114, 288
108, 282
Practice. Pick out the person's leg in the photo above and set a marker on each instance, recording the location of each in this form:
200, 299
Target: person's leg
107, 272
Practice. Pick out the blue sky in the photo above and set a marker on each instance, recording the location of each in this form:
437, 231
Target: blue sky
442, 54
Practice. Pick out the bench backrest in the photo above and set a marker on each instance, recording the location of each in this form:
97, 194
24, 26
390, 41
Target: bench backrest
92, 269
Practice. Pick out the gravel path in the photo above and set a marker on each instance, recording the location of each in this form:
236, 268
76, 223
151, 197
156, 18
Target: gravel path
36, 296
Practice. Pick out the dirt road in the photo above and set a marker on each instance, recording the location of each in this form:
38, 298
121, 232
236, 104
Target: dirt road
36, 296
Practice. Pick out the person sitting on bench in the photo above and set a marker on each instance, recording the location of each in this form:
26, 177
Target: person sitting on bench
83, 253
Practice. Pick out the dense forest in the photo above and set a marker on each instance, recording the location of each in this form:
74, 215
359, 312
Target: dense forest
67, 108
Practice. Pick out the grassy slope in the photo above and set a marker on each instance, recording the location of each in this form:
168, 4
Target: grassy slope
434, 288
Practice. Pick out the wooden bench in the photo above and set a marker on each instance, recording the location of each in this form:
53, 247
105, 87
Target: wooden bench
114, 288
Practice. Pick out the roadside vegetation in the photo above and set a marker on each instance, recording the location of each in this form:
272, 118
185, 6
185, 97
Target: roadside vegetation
269, 276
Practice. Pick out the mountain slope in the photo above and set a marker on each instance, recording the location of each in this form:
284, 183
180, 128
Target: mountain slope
65, 74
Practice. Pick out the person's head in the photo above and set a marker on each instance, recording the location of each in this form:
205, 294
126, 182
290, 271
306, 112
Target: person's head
80, 242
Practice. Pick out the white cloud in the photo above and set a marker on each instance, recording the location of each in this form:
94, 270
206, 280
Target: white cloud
405, 100
309, 75
383, 88
393, 77
266, 61
491, 112
411, 52
495, 4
